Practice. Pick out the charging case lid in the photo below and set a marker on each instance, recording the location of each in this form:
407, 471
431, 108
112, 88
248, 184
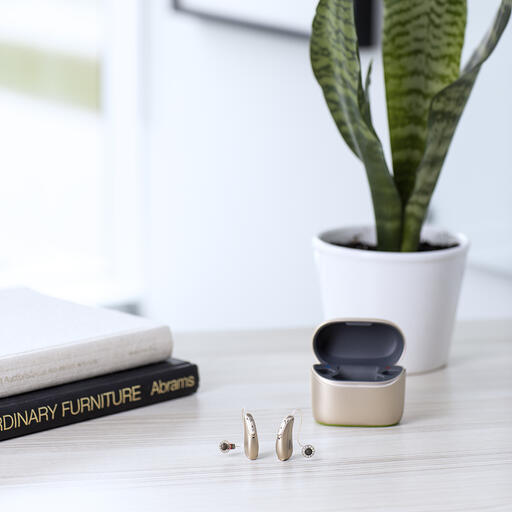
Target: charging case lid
358, 342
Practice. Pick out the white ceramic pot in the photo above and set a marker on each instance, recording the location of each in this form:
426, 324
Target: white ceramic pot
417, 291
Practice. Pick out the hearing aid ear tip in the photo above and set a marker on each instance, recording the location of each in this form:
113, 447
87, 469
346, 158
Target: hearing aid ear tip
308, 451
226, 446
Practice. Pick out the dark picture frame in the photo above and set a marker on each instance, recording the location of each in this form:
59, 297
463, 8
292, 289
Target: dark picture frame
364, 12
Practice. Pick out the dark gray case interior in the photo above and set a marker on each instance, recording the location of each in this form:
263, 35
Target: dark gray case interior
350, 350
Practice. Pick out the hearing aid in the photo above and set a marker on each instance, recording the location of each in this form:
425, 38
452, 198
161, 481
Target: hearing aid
284, 441
251, 445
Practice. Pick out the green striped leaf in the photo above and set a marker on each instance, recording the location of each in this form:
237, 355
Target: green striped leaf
445, 111
421, 47
336, 64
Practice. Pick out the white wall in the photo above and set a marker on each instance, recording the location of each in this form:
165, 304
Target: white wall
245, 165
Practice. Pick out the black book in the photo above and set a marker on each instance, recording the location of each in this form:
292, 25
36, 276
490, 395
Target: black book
100, 396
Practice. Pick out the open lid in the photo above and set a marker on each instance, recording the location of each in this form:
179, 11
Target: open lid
358, 342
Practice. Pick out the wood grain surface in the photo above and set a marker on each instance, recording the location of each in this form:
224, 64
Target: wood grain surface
452, 451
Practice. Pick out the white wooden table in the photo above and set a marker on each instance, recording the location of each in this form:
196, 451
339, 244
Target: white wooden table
452, 451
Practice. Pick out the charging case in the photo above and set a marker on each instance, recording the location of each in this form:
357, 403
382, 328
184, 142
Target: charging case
357, 381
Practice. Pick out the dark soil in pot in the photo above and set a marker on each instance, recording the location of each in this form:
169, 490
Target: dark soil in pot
423, 247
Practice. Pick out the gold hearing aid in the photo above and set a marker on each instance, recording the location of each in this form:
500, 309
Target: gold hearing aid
284, 441
251, 445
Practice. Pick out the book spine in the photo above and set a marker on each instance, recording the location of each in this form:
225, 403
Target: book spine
67, 363
80, 401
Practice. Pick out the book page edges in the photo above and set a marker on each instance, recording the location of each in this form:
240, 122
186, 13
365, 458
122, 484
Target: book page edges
71, 362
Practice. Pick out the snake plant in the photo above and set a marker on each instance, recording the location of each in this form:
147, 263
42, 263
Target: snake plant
426, 92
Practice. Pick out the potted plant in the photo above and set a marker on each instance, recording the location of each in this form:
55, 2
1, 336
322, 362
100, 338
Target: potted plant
399, 270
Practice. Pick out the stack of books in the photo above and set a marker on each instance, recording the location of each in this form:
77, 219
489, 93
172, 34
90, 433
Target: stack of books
61, 363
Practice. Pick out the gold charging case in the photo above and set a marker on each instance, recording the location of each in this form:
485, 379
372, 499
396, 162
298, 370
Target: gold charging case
357, 381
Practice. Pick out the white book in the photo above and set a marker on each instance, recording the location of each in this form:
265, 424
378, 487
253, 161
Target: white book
46, 341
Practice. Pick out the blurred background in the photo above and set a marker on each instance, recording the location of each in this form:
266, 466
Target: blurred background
159, 160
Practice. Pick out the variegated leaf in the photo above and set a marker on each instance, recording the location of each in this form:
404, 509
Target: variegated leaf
336, 65
444, 114
422, 44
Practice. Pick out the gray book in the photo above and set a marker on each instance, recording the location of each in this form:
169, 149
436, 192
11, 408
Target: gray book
46, 341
